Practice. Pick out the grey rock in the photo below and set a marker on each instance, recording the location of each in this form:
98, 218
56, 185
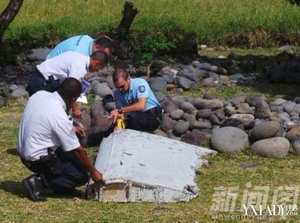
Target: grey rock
179, 99
187, 107
19, 92
297, 100
293, 133
39, 54
289, 107
253, 100
238, 100
229, 139
101, 89
168, 105
277, 101
229, 110
265, 129
202, 124
246, 119
190, 118
209, 82
296, 146
262, 110
190, 73
220, 114
97, 108
168, 71
201, 103
276, 147
232, 122
185, 83
158, 84
215, 119
196, 137
283, 117
167, 123
181, 127
170, 79
244, 108
276, 108
176, 114
156, 67
204, 113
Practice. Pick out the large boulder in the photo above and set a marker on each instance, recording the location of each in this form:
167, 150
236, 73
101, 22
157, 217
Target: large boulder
229, 139
101, 89
265, 129
276, 147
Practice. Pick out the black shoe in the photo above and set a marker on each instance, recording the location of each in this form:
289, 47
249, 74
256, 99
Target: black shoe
34, 188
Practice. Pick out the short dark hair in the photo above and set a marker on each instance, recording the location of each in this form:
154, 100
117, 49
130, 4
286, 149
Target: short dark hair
105, 42
70, 88
120, 67
101, 56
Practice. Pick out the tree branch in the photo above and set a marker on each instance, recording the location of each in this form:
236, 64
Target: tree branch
129, 13
8, 15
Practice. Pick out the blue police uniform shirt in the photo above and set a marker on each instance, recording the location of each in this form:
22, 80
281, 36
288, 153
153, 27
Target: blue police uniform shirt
138, 88
81, 44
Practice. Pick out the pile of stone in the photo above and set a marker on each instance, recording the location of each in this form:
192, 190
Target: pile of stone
269, 128
187, 77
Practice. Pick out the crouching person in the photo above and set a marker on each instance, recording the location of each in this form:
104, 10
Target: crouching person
48, 146
136, 101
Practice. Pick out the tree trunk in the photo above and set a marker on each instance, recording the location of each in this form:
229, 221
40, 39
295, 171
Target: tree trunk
129, 13
8, 15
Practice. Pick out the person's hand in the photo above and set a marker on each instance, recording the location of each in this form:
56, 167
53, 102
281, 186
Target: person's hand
114, 115
97, 176
79, 129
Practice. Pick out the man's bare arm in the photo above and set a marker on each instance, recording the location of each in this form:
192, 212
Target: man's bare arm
81, 154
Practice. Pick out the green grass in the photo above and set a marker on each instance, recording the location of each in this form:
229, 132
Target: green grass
211, 20
223, 170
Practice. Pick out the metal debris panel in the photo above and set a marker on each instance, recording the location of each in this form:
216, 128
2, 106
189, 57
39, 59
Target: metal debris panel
139, 166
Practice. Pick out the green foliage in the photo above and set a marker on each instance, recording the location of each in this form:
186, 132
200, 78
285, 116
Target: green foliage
154, 44
213, 21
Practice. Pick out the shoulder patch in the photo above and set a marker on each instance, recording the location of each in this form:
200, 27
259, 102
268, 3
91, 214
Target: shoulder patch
141, 88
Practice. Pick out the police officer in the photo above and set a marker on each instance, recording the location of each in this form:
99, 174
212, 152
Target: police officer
84, 44
136, 101
48, 146
50, 73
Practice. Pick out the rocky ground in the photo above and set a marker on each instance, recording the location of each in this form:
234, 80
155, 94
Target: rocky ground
269, 128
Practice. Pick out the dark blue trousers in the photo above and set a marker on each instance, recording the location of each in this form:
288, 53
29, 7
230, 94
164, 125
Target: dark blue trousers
37, 82
62, 171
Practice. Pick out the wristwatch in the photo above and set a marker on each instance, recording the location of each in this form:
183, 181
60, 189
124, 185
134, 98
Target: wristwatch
120, 111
